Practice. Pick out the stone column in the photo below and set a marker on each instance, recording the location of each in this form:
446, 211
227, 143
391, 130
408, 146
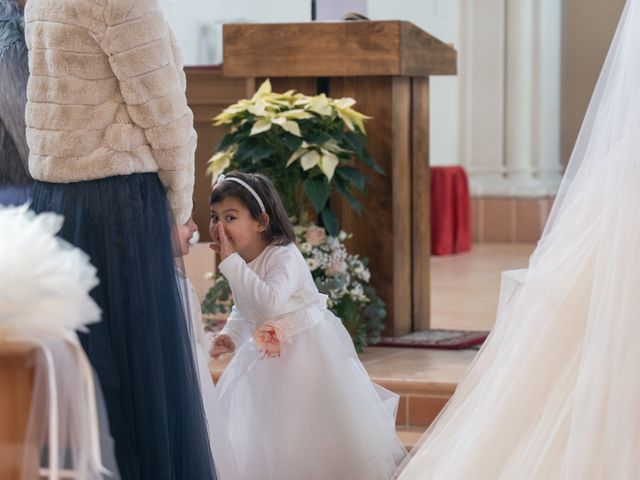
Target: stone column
521, 85
548, 98
482, 84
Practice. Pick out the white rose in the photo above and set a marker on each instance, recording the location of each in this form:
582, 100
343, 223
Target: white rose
305, 247
366, 275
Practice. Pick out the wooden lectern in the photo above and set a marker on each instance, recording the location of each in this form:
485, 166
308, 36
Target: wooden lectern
385, 66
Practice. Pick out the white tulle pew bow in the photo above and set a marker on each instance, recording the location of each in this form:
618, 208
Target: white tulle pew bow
44, 298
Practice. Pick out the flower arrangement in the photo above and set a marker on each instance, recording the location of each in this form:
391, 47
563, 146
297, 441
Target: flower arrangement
307, 145
343, 277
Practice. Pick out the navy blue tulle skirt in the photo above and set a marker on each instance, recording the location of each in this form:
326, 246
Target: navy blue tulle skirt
14, 194
141, 349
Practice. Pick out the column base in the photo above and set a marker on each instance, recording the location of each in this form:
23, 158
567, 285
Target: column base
488, 184
509, 219
525, 185
551, 181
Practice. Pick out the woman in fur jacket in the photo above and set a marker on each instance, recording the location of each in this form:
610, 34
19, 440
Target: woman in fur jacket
15, 180
112, 149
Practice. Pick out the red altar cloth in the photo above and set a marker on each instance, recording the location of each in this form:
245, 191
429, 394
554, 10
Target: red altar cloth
450, 211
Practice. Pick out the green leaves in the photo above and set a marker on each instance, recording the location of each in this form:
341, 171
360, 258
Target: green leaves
253, 151
317, 137
345, 191
330, 222
356, 143
354, 176
218, 298
317, 189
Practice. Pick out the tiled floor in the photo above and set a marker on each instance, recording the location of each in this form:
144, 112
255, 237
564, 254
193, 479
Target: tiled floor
465, 287
410, 365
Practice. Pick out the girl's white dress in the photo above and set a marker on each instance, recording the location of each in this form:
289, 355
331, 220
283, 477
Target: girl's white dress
311, 413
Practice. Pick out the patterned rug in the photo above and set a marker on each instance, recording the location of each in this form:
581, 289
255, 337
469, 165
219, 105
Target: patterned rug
442, 339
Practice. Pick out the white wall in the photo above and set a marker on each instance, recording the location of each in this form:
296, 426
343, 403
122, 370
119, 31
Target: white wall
441, 19
198, 28
507, 89
198, 23
336, 9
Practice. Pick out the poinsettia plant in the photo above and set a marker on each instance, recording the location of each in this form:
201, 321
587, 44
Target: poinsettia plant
308, 146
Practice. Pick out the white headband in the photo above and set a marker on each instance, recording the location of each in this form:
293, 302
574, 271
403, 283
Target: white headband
222, 178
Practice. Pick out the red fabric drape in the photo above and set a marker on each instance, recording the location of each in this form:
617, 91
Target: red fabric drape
450, 211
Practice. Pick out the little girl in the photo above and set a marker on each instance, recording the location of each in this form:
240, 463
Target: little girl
299, 403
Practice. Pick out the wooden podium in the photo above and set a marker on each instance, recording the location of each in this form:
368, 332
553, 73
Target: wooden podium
385, 66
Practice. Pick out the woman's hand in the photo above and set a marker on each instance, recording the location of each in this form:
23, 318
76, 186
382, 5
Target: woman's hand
221, 344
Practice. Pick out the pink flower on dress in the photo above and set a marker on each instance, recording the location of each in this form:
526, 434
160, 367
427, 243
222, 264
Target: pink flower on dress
268, 338
315, 236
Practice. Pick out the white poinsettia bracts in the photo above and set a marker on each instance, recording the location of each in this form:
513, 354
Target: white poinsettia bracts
266, 109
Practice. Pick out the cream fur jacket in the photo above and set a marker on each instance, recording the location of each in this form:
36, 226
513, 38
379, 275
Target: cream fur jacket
106, 95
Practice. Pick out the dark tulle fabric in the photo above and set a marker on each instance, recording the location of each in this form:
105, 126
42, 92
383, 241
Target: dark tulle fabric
141, 349
11, 195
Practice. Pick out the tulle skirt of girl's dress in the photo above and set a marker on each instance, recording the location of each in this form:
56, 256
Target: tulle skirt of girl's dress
312, 414
141, 350
226, 464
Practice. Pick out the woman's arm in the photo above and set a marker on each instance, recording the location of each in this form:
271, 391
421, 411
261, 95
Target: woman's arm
144, 57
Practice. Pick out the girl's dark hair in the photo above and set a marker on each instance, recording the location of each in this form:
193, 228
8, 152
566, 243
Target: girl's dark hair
279, 231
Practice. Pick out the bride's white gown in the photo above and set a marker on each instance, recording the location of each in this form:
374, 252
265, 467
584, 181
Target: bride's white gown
554, 392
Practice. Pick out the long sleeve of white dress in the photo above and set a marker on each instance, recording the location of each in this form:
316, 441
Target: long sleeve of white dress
267, 295
236, 327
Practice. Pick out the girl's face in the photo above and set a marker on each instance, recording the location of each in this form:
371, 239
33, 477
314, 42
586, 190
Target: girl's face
244, 232
185, 234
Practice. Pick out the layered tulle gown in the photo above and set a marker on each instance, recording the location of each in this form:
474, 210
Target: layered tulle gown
141, 350
311, 412
553, 394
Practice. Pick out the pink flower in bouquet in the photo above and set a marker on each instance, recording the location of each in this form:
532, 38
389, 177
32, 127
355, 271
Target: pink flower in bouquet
315, 236
268, 338
336, 267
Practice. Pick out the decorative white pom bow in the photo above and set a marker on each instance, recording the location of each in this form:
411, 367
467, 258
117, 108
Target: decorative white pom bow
44, 297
